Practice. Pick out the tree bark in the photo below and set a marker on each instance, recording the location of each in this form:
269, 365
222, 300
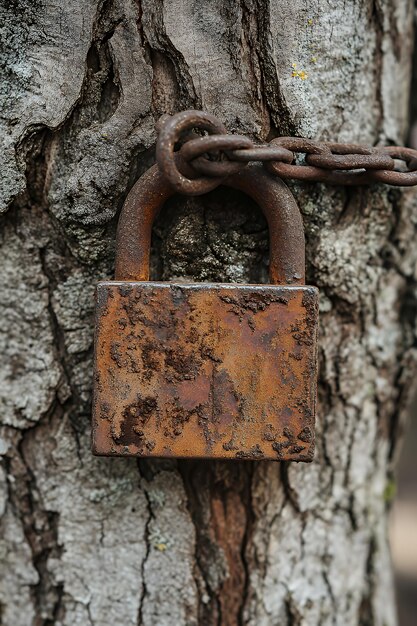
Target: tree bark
96, 541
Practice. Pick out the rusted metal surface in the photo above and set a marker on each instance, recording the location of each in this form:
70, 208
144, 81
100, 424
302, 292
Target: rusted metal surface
206, 370
261, 152
193, 149
147, 196
346, 164
326, 162
351, 156
237, 150
171, 129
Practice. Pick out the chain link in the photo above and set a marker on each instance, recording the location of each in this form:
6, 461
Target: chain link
196, 164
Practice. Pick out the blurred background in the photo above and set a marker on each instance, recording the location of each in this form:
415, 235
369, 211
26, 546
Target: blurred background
404, 527
404, 514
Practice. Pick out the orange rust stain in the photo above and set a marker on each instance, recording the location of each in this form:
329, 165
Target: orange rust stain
205, 371
228, 518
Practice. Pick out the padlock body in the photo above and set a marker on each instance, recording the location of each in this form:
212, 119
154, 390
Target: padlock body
195, 370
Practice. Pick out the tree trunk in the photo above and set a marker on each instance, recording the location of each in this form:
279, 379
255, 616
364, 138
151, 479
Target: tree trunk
96, 541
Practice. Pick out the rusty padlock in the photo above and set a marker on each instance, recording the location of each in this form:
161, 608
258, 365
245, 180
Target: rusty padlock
197, 370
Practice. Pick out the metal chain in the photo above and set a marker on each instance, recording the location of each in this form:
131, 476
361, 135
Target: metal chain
195, 165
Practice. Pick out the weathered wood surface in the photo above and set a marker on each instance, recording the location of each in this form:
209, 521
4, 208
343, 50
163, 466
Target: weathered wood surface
89, 541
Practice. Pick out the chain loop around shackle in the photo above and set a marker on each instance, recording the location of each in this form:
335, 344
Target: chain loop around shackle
171, 130
202, 163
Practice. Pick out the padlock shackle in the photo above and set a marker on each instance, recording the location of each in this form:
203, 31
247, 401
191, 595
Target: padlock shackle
152, 190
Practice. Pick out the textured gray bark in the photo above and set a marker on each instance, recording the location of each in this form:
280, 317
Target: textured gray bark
89, 541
